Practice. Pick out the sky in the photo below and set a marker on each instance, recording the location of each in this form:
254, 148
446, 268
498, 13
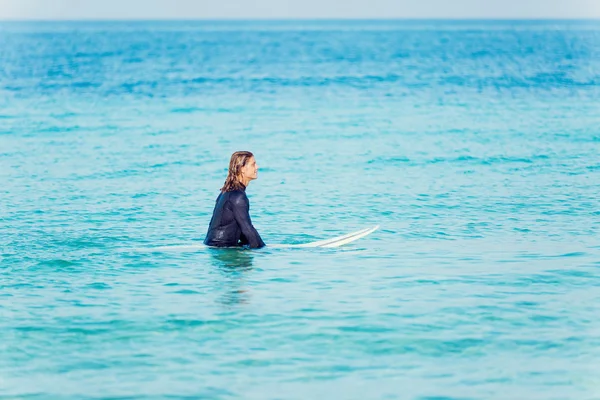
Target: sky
296, 9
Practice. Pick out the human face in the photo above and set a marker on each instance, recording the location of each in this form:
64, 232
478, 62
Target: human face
250, 170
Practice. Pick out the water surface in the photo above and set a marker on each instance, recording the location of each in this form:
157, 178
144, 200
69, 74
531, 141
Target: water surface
473, 144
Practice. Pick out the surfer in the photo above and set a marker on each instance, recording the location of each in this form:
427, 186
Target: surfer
230, 225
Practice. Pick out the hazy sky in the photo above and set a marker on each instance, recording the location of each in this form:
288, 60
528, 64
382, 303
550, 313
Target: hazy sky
200, 9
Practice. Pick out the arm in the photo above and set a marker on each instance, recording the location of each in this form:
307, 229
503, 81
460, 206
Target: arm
241, 209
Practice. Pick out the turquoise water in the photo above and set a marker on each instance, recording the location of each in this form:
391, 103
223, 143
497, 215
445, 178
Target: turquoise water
475, 145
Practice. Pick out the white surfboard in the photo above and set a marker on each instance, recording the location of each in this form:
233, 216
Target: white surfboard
333, 242
327, 243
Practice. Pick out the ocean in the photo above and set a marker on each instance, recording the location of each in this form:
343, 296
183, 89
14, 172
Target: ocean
473, 144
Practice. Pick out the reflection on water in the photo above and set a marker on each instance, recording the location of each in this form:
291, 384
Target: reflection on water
234, 265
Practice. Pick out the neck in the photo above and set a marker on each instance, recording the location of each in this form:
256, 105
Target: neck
245, 182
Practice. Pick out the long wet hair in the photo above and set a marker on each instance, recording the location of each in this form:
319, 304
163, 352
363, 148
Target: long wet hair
239, 159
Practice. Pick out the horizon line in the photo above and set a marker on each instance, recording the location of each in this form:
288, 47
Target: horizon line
304, 19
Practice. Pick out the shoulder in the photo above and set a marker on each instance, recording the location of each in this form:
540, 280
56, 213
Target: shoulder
238, 197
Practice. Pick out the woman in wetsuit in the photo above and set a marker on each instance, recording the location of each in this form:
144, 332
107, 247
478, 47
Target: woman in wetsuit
230, 225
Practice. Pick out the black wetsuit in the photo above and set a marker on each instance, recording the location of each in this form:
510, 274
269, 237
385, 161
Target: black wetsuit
230, 225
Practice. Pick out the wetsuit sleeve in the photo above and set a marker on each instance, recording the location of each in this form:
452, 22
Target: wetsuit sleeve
241, 212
